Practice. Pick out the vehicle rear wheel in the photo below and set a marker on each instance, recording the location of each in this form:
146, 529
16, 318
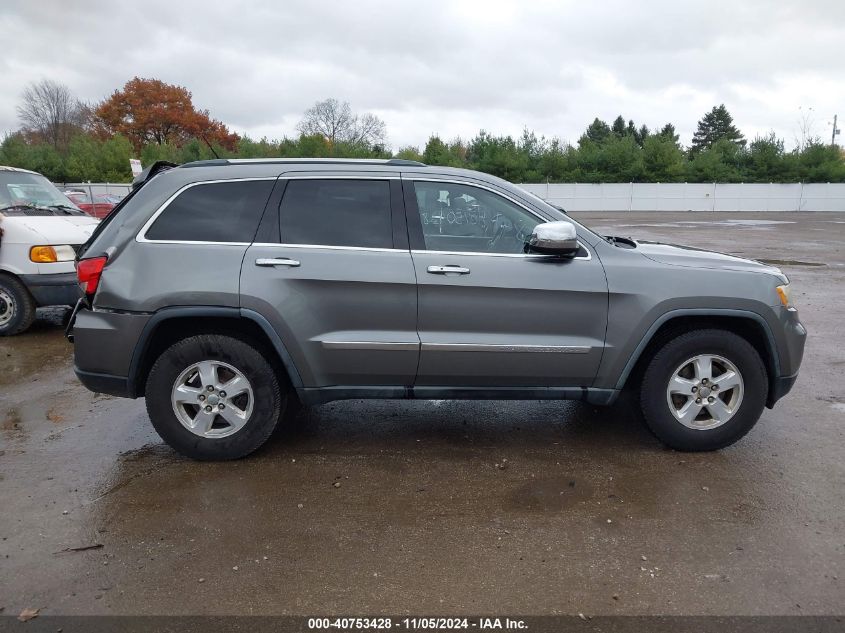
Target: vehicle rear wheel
213, 397
17, 307
704, 390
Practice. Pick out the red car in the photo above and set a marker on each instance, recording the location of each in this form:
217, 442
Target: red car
99, 207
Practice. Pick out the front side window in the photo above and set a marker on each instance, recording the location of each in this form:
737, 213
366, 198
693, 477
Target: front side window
337, 212
213, 212
462, 218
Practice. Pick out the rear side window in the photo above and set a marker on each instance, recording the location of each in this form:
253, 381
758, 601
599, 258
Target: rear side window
213, 212
336, 212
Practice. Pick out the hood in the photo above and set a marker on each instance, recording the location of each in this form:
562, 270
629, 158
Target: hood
676, 255
53, 230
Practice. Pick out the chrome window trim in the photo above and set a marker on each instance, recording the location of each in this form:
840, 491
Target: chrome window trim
543, 220
192, 242
501, 347
374, 249
142, 234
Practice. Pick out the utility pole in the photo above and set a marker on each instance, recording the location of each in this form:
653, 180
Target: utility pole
836, 131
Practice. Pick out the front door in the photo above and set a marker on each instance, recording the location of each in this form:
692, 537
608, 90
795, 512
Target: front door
338, 284
490, 315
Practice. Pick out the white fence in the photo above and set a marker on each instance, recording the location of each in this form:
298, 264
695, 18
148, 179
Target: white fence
692, 196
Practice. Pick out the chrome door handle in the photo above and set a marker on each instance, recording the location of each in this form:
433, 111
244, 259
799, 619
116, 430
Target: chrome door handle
448, 269
277, 261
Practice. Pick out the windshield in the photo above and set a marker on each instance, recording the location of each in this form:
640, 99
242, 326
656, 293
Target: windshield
23, 189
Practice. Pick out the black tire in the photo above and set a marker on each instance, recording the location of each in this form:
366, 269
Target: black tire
653, 393
15, 298
268, 404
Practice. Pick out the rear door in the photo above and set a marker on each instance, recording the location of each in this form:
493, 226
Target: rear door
490, 315
333, 274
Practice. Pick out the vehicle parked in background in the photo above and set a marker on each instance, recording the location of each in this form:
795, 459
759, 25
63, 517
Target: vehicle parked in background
99, 207
40, 232
222, 290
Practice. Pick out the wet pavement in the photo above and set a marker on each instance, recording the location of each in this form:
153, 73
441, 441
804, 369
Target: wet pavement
443, 507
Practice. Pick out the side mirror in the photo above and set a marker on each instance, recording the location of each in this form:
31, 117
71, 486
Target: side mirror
553, 238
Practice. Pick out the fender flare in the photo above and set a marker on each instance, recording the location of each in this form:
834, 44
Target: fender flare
177, 312
682, 312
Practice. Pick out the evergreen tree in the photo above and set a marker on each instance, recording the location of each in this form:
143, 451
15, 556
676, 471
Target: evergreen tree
618, 127
717, 125
663, 160
641, 135
668, 131
597, 132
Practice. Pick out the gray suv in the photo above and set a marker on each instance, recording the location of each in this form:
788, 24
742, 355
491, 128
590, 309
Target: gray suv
225, 290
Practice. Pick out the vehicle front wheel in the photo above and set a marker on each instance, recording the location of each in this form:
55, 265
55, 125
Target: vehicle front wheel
704, 390
213, 397
17, 307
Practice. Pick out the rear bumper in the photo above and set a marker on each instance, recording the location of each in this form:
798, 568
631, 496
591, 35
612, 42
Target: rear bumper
57, 289
104, 383
104, 344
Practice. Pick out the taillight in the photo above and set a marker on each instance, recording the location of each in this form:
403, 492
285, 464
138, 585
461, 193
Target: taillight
88, 273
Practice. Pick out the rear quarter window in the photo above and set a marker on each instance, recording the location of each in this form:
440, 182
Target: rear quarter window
213, 212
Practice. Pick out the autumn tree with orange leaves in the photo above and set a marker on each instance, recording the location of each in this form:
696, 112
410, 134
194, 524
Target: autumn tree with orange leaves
151, 111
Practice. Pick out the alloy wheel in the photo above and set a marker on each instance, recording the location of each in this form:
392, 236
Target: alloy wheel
212, 399
705, 392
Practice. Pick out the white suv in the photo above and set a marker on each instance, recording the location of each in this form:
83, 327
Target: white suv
40, 231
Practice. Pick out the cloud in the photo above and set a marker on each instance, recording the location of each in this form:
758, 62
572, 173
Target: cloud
443, 67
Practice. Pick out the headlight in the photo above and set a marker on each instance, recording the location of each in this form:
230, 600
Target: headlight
51, 254
785, 295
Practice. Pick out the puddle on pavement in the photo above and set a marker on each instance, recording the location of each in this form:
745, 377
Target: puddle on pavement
29, 353
14, 420
790, 262
134, 464
11, 421
550, 495
757, 222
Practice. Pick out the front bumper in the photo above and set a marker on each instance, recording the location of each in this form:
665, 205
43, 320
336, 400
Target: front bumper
791, 353
56, 289
779, 387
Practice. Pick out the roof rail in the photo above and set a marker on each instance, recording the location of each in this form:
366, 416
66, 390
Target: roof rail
404, 162
393, 162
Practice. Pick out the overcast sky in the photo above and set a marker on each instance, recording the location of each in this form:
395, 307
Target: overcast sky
449, 68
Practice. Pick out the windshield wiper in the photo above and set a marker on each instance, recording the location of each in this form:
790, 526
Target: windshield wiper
68, 210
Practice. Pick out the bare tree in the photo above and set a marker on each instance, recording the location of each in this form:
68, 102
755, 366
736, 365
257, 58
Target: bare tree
806, 134
51, 110
370, 130
335, 121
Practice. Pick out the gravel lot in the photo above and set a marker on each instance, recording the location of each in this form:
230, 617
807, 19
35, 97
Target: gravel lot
443, 507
